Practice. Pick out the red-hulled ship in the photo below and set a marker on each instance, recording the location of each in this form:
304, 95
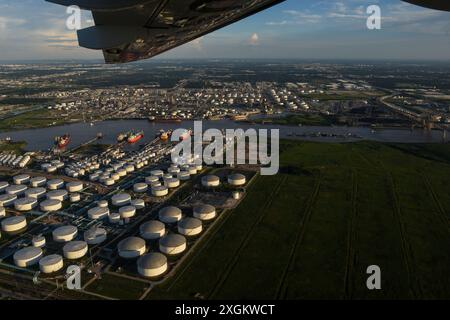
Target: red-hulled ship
62, 141
135, 137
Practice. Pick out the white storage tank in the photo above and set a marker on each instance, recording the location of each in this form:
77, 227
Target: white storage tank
59, 195
95, 236
27, 256
151, 179
131, 247
127, 212
160, 191
122, 172
152, 230
3, 185
184, 175
210, 181
173, 170
55, 184
94, 177
205, 212
38, 241
75, 197
170, 214
172, 244
64, 233
98, 213
107, 181
190, 226
14, 224
50, 205
157, 173
152, 265
7, 199
115, 176
2, 212
75, 250
51, 263
138, 203
155, 184
192, 170
129, 168
74, 186
140, 187
37, 192
51, 169
172, 183
114, 217
237, 179
16, 189
21, 179
121, 199
38, 182
25, 204
102, 204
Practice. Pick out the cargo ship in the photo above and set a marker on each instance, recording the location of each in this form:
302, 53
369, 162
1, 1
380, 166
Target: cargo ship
135, 137
62, 141
164, 135
123, 136
164, 120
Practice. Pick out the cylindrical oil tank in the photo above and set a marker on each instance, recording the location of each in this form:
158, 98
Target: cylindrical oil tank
36, 193
237, 179
64, 233
151, 179
7, 199
2, 212
172, 244
50, 205
173, 170
59, 195
192, 170
27, 256
152, 265
170, 214
16, 189
95, 236
160, 191
190, 226
172, 183
55, 184
3, 185
138, 203
152, 230
38, 241
184, 175
102, 204
51, 263
38, 182
14, 224
75, 249
75, 197
140, 187
131, 247
98, 213
121, 199
21, 179
25, 204
74, 186
129, 168
127, 212
204, 212
114, 217
122, 172
157, 173
210, 181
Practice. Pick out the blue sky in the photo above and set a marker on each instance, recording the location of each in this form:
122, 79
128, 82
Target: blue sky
35, 29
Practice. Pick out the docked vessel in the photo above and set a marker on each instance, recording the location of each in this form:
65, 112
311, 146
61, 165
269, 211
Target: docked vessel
164, 135
62, 141
135, 137
164, 120
123, 136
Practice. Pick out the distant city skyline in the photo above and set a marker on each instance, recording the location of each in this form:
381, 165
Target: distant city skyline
35, 30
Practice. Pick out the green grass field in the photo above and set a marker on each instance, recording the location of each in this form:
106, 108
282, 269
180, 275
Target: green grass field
311, 231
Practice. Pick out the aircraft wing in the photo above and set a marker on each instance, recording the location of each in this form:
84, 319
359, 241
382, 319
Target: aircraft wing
130, 30
433, 4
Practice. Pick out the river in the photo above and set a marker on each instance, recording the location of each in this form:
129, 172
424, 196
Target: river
42, 138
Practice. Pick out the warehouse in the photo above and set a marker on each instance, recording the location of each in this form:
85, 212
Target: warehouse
127, 212
64, 233
121, 199
75, 186
98, 213
21, 179
25, 204
95, 236
131, 247
7, 199
237, 180
152, 230
37, 192
27, 256
50, 205
204, 212
59, 195
152, 265
190, 226
170, 214
160, 191
55, 184
210, 181
51, 263
14, 224
75, 250
172, 244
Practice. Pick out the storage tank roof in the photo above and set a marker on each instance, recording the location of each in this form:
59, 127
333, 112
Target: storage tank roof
170, 212
152, 226
131, 244
74, 246
152, 260
172, 240
204, 209
190, 223
27, 253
